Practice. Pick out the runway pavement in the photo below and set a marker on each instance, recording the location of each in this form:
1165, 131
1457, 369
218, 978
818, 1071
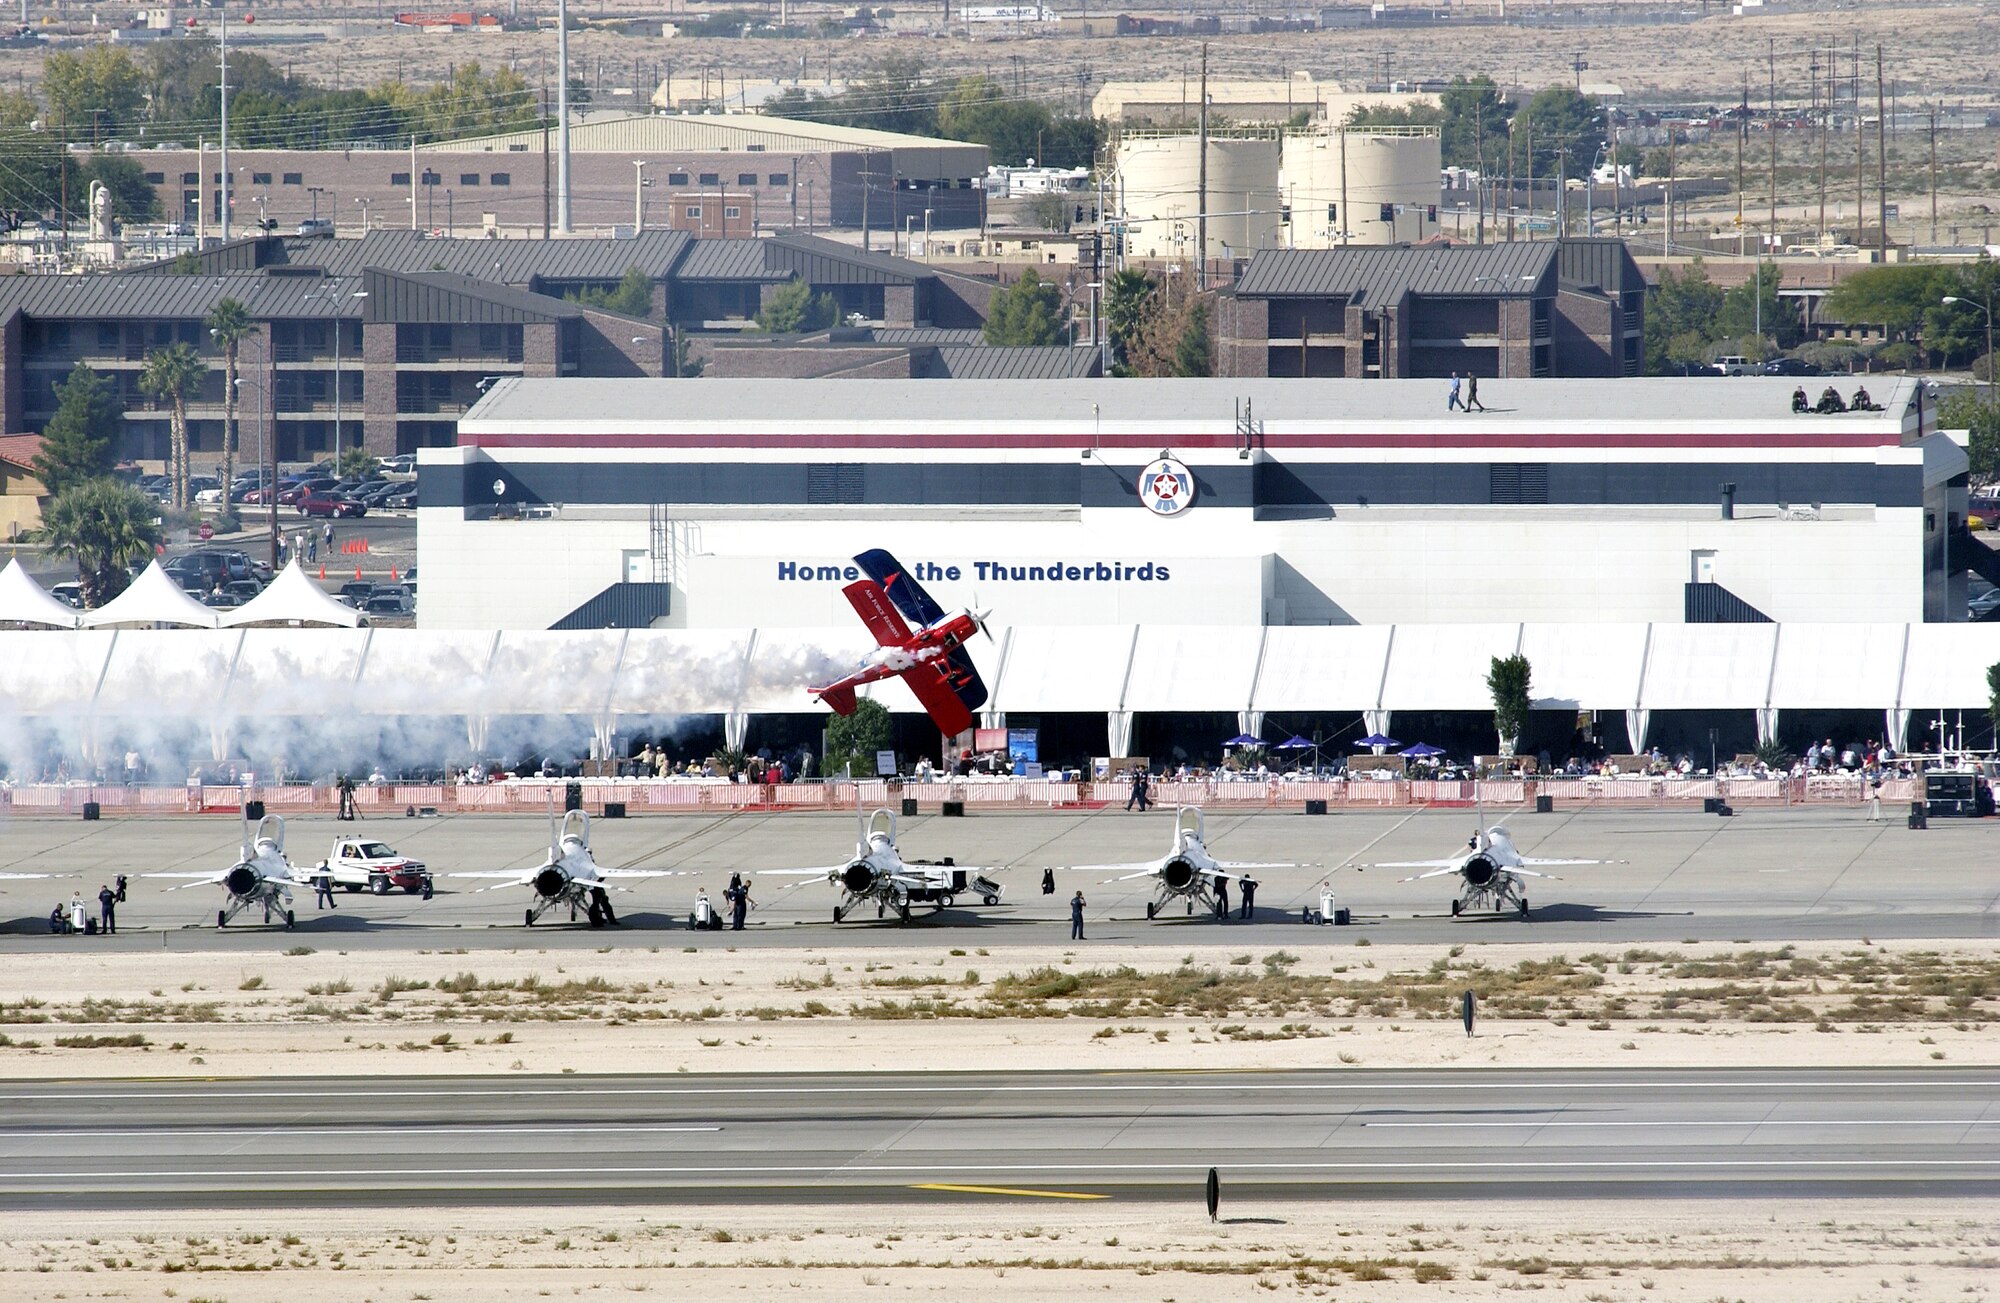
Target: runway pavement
681, 1140
1764, 875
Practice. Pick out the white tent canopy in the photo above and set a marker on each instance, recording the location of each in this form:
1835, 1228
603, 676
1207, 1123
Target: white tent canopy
23, 601
292, 598
152, 598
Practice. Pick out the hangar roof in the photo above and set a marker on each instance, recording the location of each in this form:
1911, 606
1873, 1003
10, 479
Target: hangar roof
1552, 414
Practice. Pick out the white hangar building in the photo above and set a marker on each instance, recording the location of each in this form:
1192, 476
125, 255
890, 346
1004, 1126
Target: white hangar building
1247, 504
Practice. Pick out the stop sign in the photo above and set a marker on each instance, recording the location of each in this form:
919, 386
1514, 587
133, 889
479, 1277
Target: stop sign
207, 531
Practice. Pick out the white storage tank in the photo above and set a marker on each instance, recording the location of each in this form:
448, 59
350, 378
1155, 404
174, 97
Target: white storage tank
1159, 186
1391, 178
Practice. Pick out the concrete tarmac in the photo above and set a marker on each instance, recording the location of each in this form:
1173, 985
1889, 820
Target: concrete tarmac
1763, 875
376, 1141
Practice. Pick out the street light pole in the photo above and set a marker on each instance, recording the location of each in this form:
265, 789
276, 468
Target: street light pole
1992, 381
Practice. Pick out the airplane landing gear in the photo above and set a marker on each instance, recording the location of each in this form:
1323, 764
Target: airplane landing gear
291, 920
903, 912
991, 900
531, 918
1524, 907
1152, 908
1456, 906
838, 913
1190, 906
222, 918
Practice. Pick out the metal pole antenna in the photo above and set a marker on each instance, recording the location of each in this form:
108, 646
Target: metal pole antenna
562, 117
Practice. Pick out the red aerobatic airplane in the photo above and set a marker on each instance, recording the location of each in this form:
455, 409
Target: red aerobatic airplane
931, 658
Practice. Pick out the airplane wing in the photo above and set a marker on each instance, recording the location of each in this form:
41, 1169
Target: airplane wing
507, 879
795, 873
192, 879
946, 707
24, 877
1530, 873
909, 596
1234, 866
1446, 871
876, 611
1557, 863
1414, 864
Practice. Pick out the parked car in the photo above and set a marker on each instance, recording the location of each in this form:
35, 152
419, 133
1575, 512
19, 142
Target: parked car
222, 600
316, 226
356, 592
289, 497
390, 599
70, 594
404, 499
1789, 366
1735, 365
1983, 606
372, 494
311, 503
403, 463
243, 588
202, 571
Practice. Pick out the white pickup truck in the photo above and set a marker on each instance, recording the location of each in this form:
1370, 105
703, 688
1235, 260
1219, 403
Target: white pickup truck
357, 862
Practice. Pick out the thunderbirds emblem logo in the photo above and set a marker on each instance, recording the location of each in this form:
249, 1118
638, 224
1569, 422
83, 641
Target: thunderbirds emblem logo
1166, 487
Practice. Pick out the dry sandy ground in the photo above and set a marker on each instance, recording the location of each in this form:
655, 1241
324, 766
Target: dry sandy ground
269, 1012
1938, 49
1797, 1252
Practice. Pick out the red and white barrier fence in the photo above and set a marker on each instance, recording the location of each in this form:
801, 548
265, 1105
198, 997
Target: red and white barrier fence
694, 796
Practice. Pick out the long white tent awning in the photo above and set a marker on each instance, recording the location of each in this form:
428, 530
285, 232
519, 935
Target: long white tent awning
605, 674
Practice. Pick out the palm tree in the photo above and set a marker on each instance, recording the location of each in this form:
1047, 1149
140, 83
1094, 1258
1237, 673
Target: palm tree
228, 323
103, 526
175, 373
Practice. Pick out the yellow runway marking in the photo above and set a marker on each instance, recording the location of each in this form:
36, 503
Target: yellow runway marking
1002, 1189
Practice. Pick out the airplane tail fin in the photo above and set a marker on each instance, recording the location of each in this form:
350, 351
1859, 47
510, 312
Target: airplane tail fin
839, 697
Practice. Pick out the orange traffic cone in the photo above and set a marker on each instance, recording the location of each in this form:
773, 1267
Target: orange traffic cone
394, 578
357, 572
322, 573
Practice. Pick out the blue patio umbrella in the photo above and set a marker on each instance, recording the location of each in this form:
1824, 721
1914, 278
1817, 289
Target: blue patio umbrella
1297, 743
1377, 740
1421, 751
1244, 740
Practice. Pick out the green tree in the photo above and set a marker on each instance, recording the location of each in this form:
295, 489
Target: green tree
31, 163
1993, 699
355, 460
1680, 318
174, 374
229, 323
1969, 411
1192, 353
98, 92
103, 526
1027, 312
81, 440
1567, 129
1390, 115
1070, 141
1050, 210
1126, 298
1742, 312
854, 739
794, 309
1475, 123
1508, 680
978, 110
633, 295
133, 198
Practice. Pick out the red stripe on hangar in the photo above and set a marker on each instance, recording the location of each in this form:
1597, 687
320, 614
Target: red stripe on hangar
1179, 440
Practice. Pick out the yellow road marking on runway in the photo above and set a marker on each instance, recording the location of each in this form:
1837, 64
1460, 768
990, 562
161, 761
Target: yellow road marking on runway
1002, 1189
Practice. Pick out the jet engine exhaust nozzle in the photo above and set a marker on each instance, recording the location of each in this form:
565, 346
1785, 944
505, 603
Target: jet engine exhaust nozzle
550, 882
1479, 870
1177, 874
242, 880
857, 877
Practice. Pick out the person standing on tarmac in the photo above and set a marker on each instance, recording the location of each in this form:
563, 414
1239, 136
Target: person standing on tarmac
1048, 882
601, 901
740, 907
1222, 898
323, 890
1249, 886
1076, 907
107, 910
1141, 780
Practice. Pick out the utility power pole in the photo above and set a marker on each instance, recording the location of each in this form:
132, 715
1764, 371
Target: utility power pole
222, 40
1881, 158
563, 214
1201, 199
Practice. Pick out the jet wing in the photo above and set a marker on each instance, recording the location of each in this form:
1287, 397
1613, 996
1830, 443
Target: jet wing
918, 606
193, 879
946, 707
1558, 863
797, 873
24, 877
1238, 866
510, 879
1452, 863
1446, 871
876, 612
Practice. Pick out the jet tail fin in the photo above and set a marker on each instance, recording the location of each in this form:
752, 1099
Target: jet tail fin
839, 697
